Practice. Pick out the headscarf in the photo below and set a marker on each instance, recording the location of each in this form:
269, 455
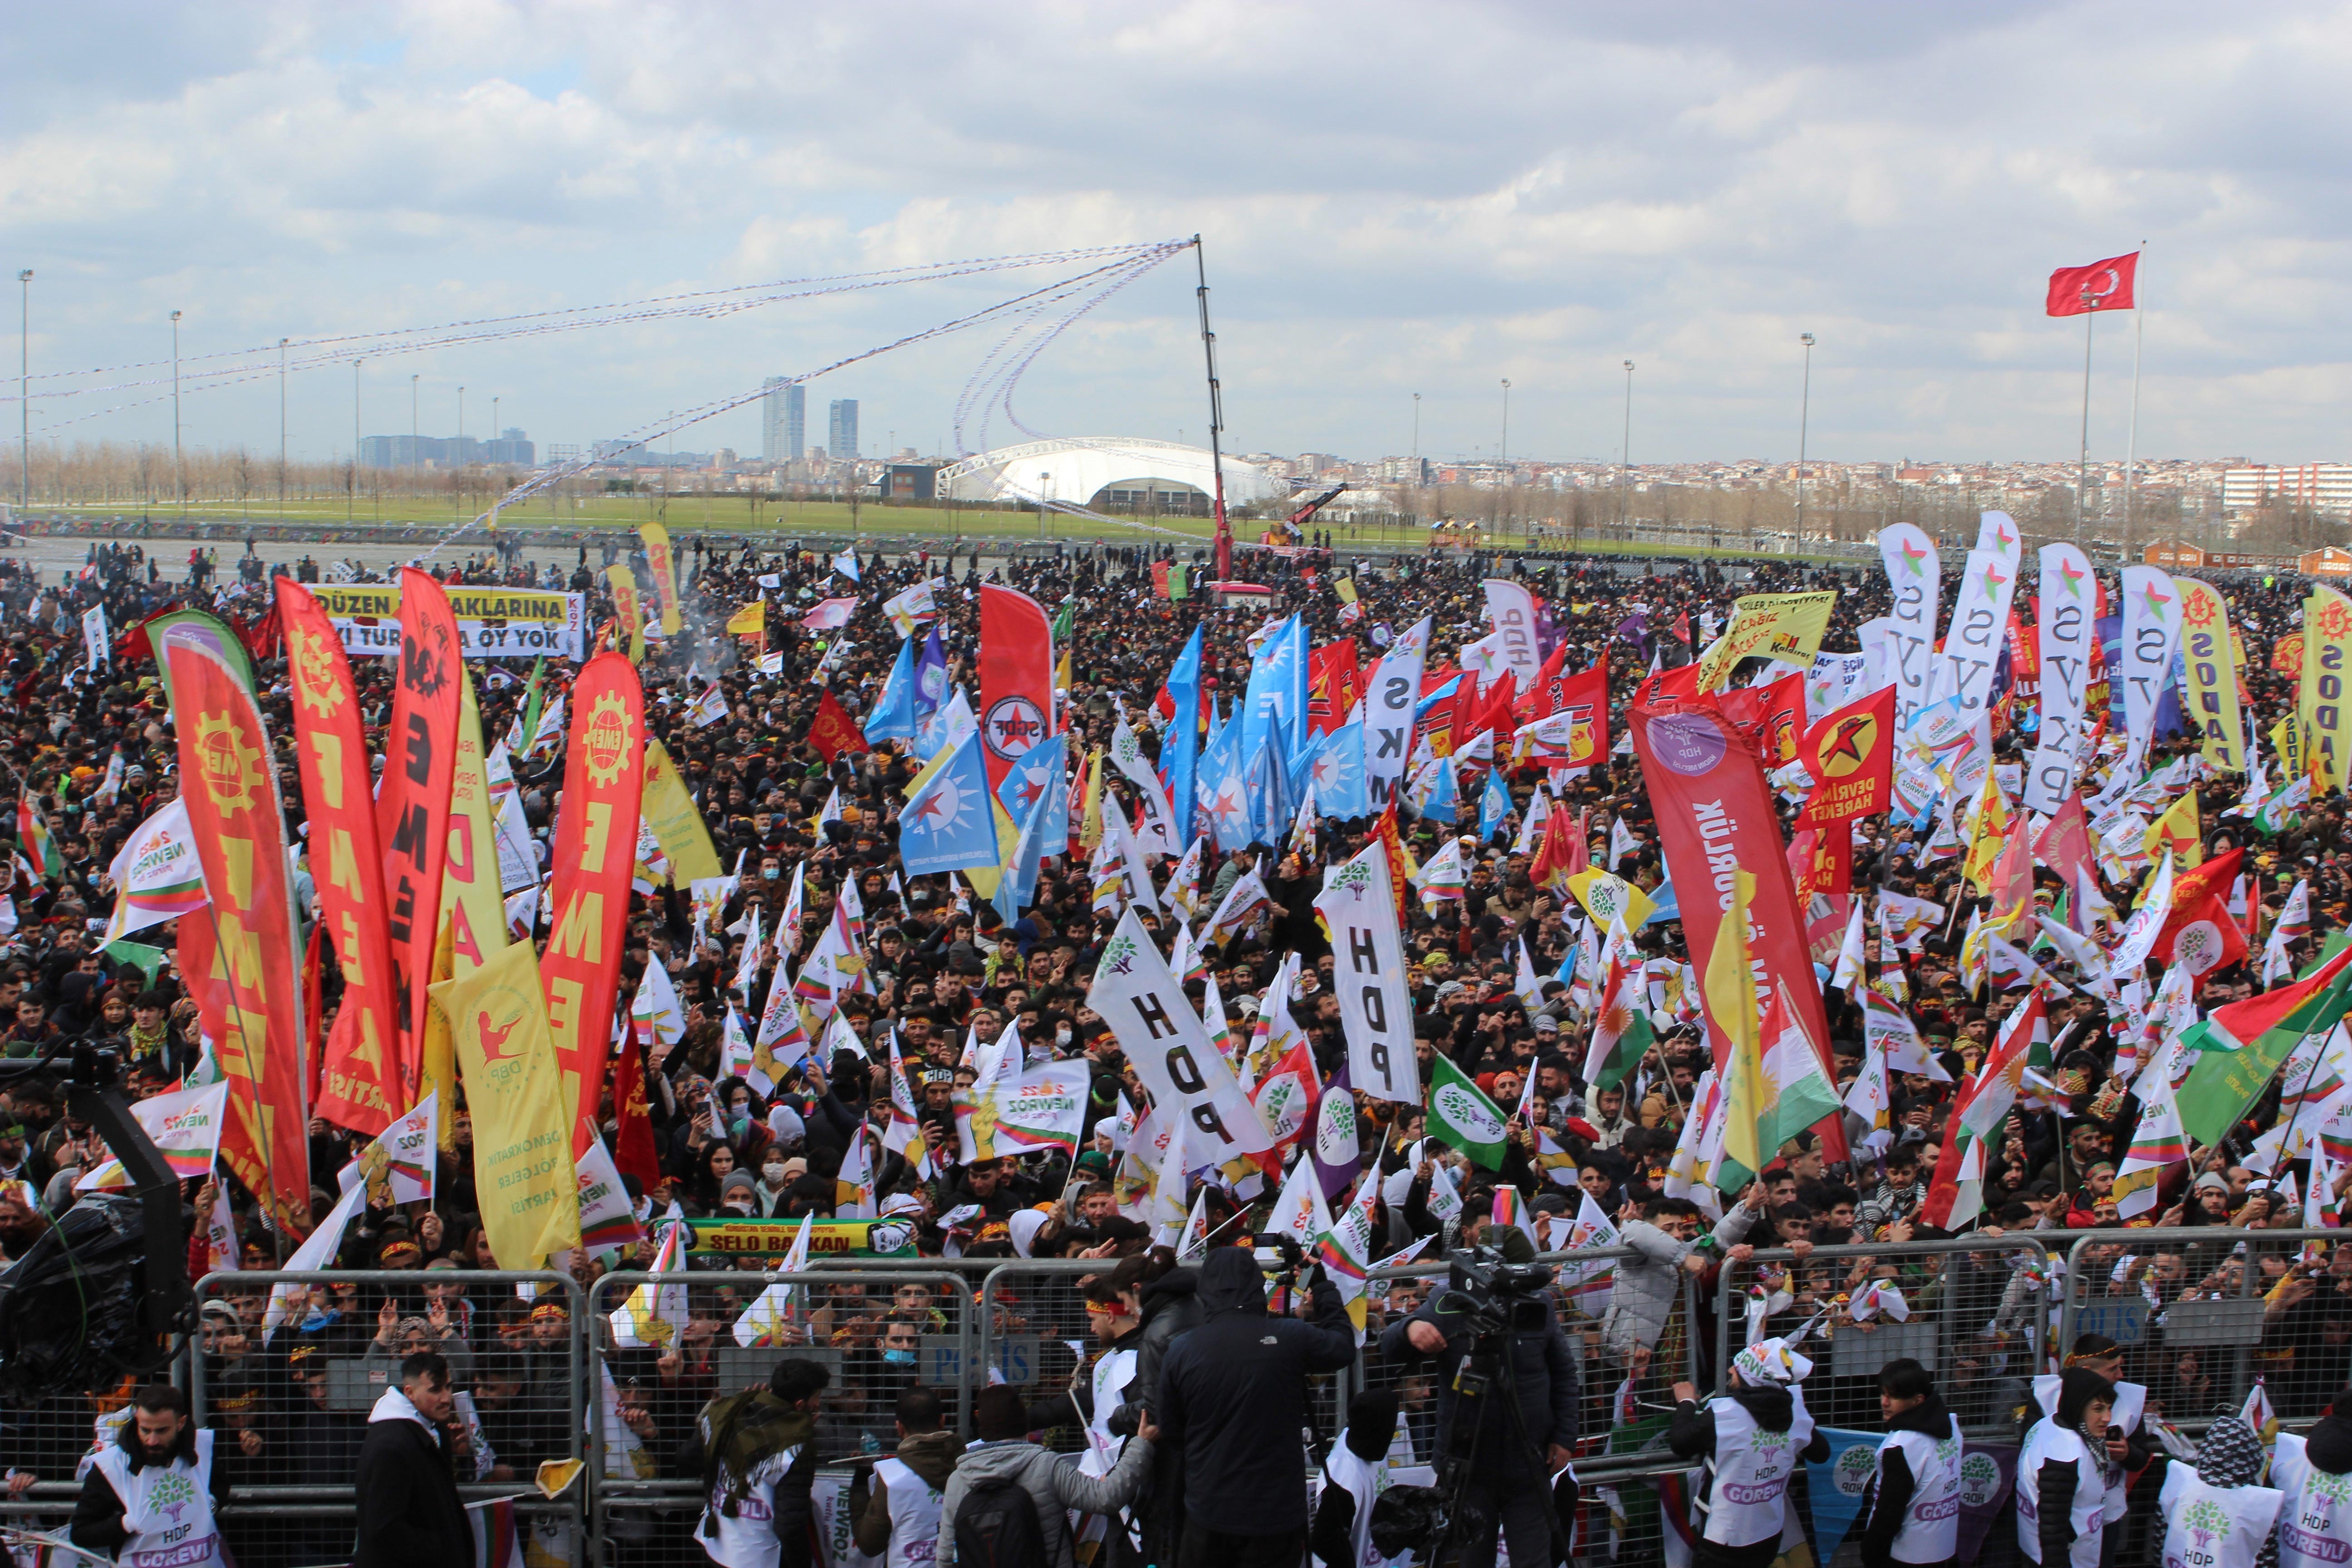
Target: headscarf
2229, 1454
1772, 1362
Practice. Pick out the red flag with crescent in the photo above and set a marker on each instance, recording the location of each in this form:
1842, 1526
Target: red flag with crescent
2102, 286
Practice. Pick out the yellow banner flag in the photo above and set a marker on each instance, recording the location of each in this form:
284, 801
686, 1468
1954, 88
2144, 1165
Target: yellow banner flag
752, 617
2213, 679
670, 812
1606, 896
2178, 828
2286, 740
2321, 703
473, 909
523, 1173
1731, 1007
1768, 626
1989, 836
626, 610
658, 561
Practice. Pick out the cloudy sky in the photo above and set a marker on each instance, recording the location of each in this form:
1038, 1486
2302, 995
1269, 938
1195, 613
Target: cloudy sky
1395, 198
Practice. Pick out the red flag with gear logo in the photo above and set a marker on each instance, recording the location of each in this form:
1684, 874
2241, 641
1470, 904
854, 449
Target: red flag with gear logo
1016, 678
594, 854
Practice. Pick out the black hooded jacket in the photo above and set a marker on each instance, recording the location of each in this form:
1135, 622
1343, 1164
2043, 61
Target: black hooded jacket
1891, 1490
1233, 1398
1544, 1373
1171, 1304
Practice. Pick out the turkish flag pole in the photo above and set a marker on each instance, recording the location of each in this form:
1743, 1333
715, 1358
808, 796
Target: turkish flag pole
2108, 285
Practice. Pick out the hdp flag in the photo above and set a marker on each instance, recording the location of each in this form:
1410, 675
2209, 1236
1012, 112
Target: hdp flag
1460, 1114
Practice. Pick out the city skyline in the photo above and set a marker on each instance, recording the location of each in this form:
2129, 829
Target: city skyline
1691, 188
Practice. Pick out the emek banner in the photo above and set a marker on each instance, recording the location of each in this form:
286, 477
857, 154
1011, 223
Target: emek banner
253, 975
492, 622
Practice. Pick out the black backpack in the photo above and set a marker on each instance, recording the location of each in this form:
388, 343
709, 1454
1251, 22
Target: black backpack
996, 1527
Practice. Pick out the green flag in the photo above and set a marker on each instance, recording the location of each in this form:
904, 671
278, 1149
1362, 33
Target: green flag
1460, 1114
1065, 619
2241, 1046
149, 959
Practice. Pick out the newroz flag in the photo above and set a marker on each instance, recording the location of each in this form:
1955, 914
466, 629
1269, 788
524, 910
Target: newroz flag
655, 1313
1588, 1284
1300, 1212
769, 1318
1460, 1114
156, 876
1345, 1249
1368, 973
1170, 1049
399, 1165
2157, 1142
1022, 1113
186, 1127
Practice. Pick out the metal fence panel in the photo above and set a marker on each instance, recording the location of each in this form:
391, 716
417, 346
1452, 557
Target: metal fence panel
644, 1401
289, 1400
1976, 1313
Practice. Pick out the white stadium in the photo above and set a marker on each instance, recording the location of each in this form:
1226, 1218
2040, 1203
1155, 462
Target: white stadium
1104, 473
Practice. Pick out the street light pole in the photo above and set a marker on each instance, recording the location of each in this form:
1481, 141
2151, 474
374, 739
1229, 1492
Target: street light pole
415, 442
1804, 414
351, 495
281, 427
179, 469
1625, 452
23, 389
1503, 449
1044, 483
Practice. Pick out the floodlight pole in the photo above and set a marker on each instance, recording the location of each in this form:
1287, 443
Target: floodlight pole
1224, 556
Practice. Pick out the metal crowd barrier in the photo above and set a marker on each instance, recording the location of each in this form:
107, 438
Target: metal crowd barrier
641, 1435
290, 1411
2203, 1311
1975, 1312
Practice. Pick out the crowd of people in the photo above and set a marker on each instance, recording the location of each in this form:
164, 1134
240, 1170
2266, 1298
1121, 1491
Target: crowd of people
1200, 1463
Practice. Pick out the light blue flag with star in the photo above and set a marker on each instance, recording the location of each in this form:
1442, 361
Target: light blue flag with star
1430, 790
950, 824
1494, 805
1339, 774
1037, 777
893, 717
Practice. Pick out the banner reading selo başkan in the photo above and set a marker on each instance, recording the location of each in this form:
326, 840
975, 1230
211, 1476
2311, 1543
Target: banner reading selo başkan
1715, 818
253, 977
492, 622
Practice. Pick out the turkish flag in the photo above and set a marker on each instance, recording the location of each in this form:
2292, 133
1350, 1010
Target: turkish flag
2102, 286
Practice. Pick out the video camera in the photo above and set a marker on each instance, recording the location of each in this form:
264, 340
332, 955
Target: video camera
1493, 1293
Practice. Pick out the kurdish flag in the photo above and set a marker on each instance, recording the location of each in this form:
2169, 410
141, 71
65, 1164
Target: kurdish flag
2157, 1142
2239, 1046
1621, 1029
1778, 1088
655, 1313
1460, 1114
33, 837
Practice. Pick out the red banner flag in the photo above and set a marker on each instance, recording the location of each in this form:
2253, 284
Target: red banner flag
1543, 699
1715, 817
1850, 755
253, 969
833, 732
1772, 716
358, 1086
1584, 698
595, 851
2102, 286
1016, 678
633, 1153
1334, 682
411, 809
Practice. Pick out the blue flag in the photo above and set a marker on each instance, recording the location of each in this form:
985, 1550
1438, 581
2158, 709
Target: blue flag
1421, 709
1432, 791
1338, 773
1836, 1485
1018, 886
1036, 778
893, 717
1494, 805
1179, 748
950, 824
930, 677
1670, 905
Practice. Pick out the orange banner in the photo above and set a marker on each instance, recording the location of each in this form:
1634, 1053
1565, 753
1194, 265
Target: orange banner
358, 1086
1850, 755
229, 783
595, 852
412, 810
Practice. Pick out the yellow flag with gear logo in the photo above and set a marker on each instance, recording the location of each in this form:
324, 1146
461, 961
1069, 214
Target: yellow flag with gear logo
523, 1174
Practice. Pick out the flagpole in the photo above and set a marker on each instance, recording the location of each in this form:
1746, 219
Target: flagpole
2083, 467
2131, 439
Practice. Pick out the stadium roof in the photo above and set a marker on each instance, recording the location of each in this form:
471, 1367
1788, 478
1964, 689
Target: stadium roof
1080, 468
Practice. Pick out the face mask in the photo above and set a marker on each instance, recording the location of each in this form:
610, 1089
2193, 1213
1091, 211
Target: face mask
773, 1174
770, 872
1062, 1037
900, 1358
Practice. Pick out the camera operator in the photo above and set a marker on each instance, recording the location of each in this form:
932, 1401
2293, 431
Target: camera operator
1503, 1480
1752, 1443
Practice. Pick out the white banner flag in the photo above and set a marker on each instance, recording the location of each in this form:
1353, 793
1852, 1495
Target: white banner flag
1511, 610
1170, 1049
1369, 976
1392, 698
2151, 636
1916, 577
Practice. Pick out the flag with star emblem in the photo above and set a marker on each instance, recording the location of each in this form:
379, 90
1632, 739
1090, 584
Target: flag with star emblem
949, 823
1850, 755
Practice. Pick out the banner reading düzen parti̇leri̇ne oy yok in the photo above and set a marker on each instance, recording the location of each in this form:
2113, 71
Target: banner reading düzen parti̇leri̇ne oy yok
492, 622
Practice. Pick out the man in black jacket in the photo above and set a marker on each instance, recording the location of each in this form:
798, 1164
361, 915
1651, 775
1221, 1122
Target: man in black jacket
1168, 1302
1231, 1399
409, 1511
1503, 1482
156, 1487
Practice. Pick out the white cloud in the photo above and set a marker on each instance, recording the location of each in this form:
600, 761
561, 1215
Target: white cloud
1394, 198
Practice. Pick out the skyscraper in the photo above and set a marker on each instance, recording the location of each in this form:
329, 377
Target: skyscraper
841, 431
783, 422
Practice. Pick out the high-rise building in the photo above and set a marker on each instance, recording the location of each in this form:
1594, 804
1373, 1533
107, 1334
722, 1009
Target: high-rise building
841, 430
783, 421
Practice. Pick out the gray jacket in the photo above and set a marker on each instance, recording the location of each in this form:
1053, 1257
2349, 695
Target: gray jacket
1052, 1484
1643, 1292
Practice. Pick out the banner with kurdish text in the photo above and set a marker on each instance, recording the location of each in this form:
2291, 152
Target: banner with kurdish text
1043, 1108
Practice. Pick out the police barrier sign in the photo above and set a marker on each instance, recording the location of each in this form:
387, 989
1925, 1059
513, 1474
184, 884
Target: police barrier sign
492, 622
